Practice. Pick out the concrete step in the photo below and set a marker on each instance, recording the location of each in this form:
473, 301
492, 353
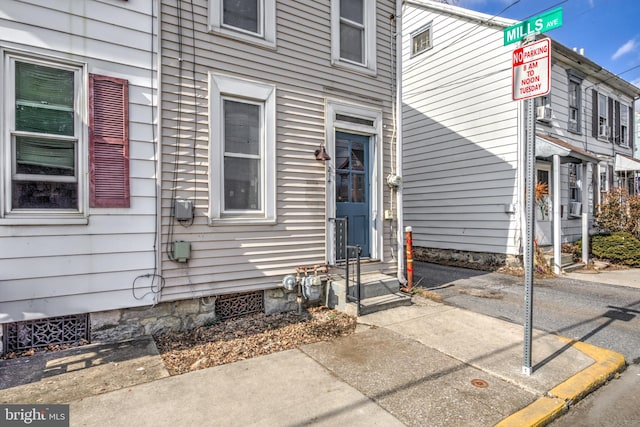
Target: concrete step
565, 259
378, 292
572, 267
378, 303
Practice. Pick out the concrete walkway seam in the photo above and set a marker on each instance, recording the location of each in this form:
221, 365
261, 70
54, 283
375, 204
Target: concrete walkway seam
545, 409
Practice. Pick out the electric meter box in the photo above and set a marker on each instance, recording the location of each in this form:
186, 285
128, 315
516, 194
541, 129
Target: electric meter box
183, 210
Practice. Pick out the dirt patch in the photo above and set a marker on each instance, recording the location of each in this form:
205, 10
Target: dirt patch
249, 336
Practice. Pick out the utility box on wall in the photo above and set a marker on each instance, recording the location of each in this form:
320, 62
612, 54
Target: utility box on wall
183, 210
181, 251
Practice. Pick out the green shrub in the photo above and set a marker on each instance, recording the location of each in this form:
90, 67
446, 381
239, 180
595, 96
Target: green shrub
619, 247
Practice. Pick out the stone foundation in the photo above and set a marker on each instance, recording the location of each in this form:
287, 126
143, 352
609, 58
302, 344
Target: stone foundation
128, 323
115, 325
479, 260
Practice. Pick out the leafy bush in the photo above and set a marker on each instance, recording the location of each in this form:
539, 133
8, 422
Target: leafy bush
619, 247
619, 211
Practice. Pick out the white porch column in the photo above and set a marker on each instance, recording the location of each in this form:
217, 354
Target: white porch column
585, 212
556, 200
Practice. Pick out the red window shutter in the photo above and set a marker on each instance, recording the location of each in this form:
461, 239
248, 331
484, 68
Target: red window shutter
108, 142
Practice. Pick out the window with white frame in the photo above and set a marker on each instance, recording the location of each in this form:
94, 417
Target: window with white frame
575, 101
242, 152
603, 115
353, 34
574, 182
421, 40
624, 125
43, 139
251, 20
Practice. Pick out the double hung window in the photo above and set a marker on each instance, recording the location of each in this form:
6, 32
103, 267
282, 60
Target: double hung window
44, 136
242, 154
353, 33
574, 105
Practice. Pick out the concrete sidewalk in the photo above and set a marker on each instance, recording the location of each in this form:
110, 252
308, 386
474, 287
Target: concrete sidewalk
425, 364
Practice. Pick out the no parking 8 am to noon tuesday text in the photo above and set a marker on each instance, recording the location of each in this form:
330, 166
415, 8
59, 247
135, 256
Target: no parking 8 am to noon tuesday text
531, 69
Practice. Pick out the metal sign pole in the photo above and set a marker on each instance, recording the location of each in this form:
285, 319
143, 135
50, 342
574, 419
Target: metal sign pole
530, 224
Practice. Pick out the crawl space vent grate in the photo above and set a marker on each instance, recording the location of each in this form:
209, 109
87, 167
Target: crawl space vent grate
40, 333
234, 305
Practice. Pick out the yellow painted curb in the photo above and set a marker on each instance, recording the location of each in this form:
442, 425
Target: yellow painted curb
539, 413
544, 410
607, 363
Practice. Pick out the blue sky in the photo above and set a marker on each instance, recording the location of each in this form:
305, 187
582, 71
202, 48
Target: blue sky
607, 30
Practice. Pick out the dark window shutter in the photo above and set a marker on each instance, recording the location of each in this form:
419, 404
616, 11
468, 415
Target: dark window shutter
616, 123
594, 113
631, 123
108, 142
610, 119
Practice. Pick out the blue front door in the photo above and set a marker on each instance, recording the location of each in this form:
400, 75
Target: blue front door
353, 188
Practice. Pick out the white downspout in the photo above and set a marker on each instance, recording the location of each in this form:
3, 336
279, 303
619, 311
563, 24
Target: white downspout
398, 107
557, 218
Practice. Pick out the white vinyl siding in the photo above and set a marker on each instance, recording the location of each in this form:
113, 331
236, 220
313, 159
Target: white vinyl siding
90, 264
460, 158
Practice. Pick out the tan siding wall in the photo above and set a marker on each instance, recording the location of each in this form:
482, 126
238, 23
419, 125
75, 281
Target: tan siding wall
245, 257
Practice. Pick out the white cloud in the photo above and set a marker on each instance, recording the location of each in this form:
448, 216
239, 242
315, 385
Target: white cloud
629, 46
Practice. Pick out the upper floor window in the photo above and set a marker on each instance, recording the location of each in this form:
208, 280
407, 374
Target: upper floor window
242, 154
421, 40
575, 101
353, 33
624, 125
601, 116
250, 20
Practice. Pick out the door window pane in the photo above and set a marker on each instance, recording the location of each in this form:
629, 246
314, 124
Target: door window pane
358, 186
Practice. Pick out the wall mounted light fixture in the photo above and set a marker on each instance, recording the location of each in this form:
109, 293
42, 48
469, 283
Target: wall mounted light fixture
321, 154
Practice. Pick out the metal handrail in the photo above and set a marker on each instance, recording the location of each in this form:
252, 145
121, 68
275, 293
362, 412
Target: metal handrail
341, 230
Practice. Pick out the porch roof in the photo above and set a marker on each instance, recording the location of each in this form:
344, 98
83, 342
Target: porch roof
548, 146
626, 163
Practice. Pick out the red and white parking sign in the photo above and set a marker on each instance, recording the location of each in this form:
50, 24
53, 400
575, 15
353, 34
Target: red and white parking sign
531, 70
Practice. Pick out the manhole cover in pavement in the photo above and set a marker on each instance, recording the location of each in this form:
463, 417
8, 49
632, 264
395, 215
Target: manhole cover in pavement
479, 383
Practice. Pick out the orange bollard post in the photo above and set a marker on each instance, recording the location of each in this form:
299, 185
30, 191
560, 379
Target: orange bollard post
409, 257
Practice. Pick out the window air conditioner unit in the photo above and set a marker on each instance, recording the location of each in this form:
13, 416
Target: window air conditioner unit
603, 131
575, 209
543, 114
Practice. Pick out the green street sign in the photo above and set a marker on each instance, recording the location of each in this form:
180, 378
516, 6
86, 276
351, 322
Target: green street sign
538, 24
